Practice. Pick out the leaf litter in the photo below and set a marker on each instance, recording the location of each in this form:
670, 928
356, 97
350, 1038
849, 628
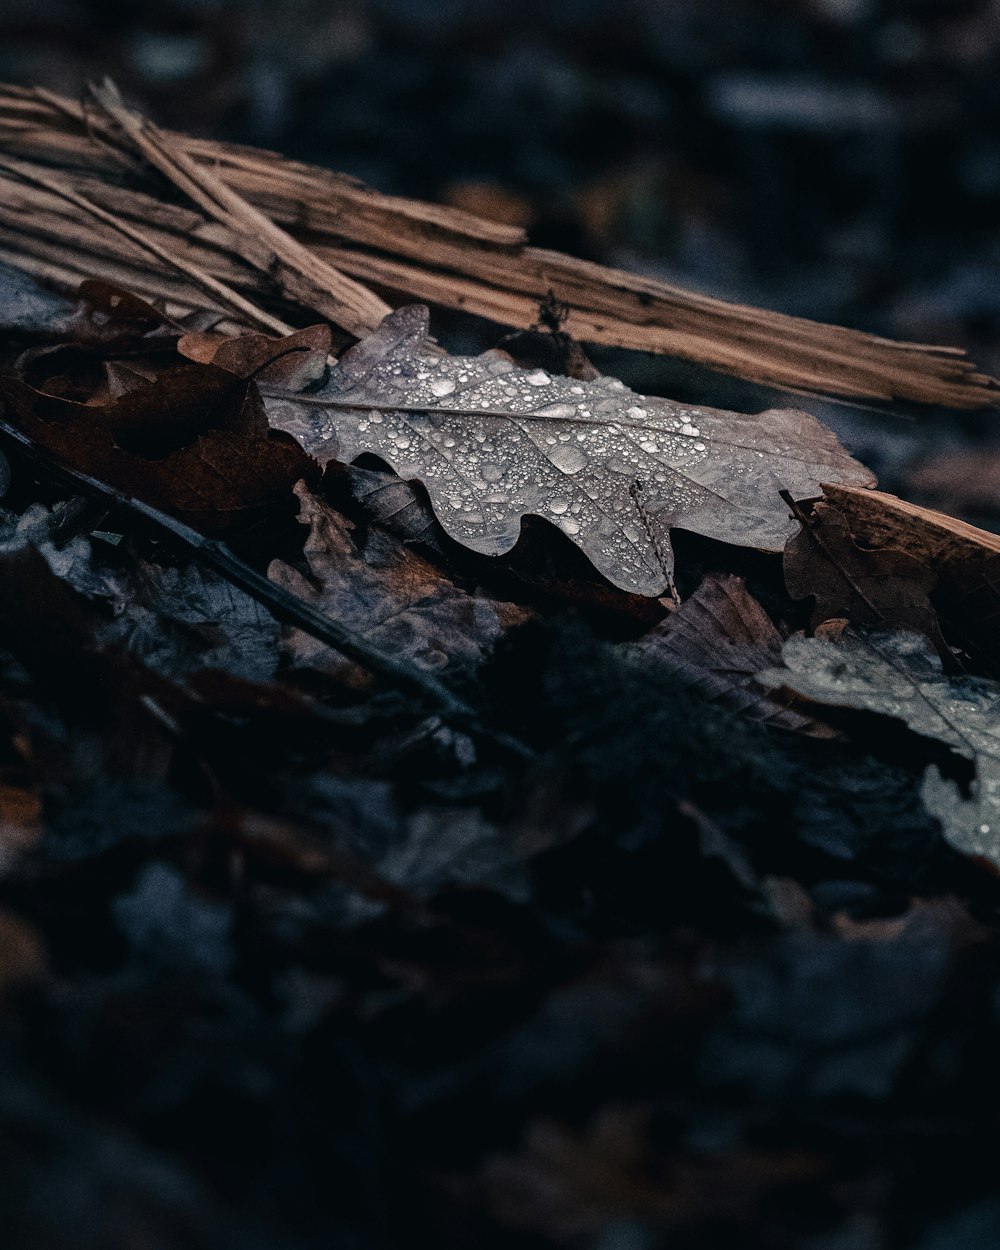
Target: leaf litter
559, 995
897, 675
398, 598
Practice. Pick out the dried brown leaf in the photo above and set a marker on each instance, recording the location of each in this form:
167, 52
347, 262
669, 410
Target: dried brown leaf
885, 587
294, 362
107, 315
965, 559
194, 443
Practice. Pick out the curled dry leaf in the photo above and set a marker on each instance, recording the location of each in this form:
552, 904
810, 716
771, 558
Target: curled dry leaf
108, 315
295, 361
898, 675
401, 602
718, 640
615, 471
965, 559
193, 442
886, 587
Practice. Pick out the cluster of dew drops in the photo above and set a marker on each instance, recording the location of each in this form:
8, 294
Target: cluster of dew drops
463, 407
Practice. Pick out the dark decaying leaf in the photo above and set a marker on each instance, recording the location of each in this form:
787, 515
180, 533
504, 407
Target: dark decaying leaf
400, 601
193, 442
886, 587
790, 1038
109, 316
898, 675
718, 640
27, 306
174, 618
578, 1185
613, 470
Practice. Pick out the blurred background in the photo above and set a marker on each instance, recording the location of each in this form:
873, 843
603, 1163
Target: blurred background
838, 159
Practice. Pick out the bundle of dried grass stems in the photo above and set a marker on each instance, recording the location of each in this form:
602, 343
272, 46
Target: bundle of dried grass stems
91, 189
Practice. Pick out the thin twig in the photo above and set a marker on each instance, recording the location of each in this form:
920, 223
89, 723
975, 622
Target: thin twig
225, 294
332, 293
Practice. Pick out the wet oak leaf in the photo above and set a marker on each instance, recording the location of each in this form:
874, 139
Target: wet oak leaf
886, 587
400, 601
897, 675
615, 471
717, 641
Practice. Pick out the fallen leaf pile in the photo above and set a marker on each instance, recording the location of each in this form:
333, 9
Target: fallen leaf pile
381, 847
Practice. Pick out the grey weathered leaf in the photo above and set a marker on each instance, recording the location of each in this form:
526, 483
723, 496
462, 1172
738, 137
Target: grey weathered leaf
899, 675
174, 619
614, 470
384, 588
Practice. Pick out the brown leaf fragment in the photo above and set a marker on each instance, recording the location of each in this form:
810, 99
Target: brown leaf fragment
122, 380
377, 586
293, 362
885, 586
108, 315
194, 443
965, 559
20, 823
22, 954
718, 640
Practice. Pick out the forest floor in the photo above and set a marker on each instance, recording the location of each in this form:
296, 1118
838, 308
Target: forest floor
595, 919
